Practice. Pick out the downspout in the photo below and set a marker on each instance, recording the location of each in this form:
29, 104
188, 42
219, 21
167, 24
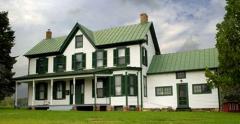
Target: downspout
95, 94
219, 101
138, 93
28, 66
126, 91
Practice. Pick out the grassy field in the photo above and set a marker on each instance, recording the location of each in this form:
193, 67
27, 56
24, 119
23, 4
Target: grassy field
11, 116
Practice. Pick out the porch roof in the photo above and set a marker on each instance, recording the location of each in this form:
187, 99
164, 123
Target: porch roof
73, 73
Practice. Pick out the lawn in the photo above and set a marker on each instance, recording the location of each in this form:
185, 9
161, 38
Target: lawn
11, 116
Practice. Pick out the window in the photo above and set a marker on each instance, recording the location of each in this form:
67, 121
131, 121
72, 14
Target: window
180, 75
144, 56
121, 56
99, 58
42, 65
146, 37
132, 82
163, 91
118, 88
79, 41
41, 91
145, 86
59, 90
201, 89
79, 61
100, 89
59, 63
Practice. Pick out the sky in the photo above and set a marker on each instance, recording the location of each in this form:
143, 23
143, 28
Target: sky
180, 25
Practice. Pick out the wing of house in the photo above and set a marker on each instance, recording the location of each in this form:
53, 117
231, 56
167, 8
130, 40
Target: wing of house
116, 68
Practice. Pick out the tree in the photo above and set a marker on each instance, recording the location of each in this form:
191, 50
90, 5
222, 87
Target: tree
6, 61
227, 77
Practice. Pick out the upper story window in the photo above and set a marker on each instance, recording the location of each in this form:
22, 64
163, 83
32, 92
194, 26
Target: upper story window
42, 65
180, 75
59, 63
201, 89
121, 56
79, 41
99, 58
144, 56
78, 61
41, 91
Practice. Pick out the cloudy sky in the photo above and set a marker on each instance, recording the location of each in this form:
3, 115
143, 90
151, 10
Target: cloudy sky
180, 24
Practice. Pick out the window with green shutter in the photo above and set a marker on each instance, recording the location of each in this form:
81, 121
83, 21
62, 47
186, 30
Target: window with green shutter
59, 63
99, 59
42, 65
41, 91
118, 85
79, 61
59, 88
132, 85
79, 41
144, 56
121, 56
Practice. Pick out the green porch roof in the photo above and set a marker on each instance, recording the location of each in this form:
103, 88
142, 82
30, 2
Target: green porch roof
121, 34
184, 61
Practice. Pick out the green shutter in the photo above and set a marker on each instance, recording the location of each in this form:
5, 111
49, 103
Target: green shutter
143, 58
135, 85
37, 91
63, 89
45, 65
73, 62
93, 88
113, 86
84, 60
123, 84
37, 65
115, 57
64, 62
146, 59
94, 59
109, 86
127, 55
55, 61
105, 87
104, 58
45, 90
54, 90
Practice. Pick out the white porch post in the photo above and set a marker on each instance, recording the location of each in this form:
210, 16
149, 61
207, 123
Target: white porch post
51, 92
16, 94
74, 83
33, 92
95, 95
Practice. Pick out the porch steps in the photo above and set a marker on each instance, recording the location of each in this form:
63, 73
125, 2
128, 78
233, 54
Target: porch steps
61, 107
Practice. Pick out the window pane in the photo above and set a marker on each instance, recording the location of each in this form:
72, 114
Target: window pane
99, 63
59, 94
121, 52
79, 41
118, 90
41, 95
131, 91
121, 60
100, 92
99, 55
78, 57
118, 85
197, 89
99, 84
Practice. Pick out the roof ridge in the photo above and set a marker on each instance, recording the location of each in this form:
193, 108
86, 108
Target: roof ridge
187, 51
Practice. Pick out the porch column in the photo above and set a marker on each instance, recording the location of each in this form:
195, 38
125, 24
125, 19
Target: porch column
95, 95
51, 92
33, 92
16, 94
74, 83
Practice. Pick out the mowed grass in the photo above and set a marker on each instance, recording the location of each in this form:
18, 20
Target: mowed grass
11, 116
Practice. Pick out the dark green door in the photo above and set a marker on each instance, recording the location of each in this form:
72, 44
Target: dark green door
182, 95
79, 92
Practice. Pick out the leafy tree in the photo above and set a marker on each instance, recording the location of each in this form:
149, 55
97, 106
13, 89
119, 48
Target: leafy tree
227, 77
6, 61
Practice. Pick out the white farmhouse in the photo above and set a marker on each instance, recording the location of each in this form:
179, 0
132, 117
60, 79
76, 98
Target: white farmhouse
119, 68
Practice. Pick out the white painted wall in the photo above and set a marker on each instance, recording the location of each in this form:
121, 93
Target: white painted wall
169, 79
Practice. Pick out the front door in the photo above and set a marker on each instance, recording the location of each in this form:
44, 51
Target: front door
182, 95
79, 92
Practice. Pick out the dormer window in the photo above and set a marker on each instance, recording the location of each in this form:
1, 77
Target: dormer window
79, 41
121, 56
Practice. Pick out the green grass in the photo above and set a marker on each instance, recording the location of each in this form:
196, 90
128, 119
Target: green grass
11, 116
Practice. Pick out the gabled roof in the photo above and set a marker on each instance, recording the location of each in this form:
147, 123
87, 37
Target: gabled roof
101, 39
184, 61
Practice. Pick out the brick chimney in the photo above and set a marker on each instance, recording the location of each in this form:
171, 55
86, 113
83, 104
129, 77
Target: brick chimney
48, 34
143, 18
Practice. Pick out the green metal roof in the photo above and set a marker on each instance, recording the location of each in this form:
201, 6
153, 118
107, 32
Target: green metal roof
108, 36
47, 46
184, 61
